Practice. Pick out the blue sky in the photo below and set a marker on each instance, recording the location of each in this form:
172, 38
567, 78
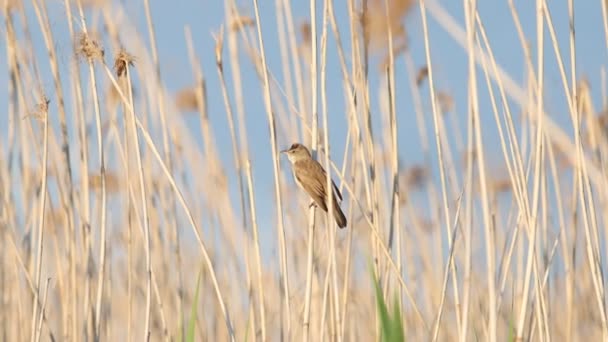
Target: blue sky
449, 63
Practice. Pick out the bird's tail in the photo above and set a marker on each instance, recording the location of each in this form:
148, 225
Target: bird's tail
339, 215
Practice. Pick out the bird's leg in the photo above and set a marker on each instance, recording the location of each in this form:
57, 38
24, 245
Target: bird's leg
312, 204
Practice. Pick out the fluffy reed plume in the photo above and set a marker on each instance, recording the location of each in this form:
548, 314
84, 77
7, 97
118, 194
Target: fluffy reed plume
239, 22
55, 219
498, 182
186, 100
376, 24
593, 127
446, 102
414, 177
87, 46
421, 75
500, 185
601, 120
94, 4
41, 110
305, 33
35, 172
583, 89
219, 47
177, 142
468, 155
8, 6
216, 176
426, 225
305, 42
114, 183
122, 60
396, 52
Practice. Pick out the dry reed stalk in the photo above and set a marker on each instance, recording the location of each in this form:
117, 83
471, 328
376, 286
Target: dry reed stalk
556, 134
67, 181
440, 152
588, 209
301, 98
43, 108
271, 123
165, 195
360, 72
122, 63
351, 103
394, 217
382, 247
244, 147
42, 310
313, 149
520, 195
256, 238
184, 205
285, 22
130, 209
520, 192
470, 11
235, 147
531, 207
90, 49
291, 129
595, 248
84, 170
331, 231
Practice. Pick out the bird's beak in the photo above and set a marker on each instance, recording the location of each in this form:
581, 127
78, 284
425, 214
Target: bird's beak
284, 151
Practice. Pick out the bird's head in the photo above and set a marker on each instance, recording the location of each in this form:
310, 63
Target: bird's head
296, 152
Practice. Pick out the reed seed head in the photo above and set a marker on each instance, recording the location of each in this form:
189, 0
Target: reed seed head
89, 48
122, 61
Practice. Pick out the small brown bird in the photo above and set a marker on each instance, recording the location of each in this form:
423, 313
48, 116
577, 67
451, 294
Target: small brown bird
312, 178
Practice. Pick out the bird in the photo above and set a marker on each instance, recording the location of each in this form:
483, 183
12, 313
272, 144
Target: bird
312, 178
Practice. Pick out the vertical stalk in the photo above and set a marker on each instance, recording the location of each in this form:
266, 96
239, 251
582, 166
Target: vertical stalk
314, 142
44, 113
470, 11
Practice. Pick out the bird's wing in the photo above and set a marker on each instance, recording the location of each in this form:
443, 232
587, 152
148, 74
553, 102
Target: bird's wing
332, 181
337, 190
313, 182
309, 181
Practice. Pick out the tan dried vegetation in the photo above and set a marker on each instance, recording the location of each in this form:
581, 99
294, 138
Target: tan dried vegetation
519, 257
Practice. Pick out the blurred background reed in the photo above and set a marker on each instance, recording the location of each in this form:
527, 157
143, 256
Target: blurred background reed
139, 166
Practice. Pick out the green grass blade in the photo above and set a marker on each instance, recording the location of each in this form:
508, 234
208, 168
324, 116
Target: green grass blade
385, 321
397, 333
391, 327
192, 322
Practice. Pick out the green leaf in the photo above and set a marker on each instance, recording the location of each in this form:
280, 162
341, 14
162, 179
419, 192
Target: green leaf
397, 334
247, 328
391, 327
192, 322
511, 336
385, 321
